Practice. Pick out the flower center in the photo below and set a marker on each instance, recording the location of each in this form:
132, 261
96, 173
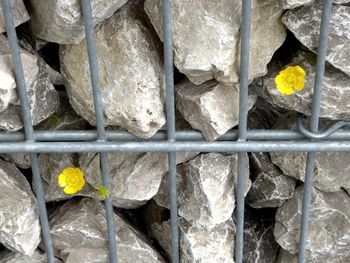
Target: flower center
291, 79
73, 180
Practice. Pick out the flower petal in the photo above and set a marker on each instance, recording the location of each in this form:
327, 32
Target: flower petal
283, 87
70, 190
299, 85
299, 71
62, 182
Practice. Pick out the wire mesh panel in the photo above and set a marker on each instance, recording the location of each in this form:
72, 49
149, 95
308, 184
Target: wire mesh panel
240, 141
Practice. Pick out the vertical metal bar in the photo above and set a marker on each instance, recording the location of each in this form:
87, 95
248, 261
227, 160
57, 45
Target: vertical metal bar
315, 113
243, 113
93, 62
170, 109
28, 128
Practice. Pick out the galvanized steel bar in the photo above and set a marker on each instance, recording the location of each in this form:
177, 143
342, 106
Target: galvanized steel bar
28, 128
242, 128
123, 136
315, 113
178, 146
171, 131
95, 82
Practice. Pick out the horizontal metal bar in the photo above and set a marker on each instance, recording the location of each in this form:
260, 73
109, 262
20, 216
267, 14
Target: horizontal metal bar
178, 146
82, 136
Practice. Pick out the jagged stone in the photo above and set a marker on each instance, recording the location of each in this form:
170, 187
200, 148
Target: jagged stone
259, 242
61, 21
285, 257
19, 224
199, 244
12, 257
212, 108
329, 226
135, 177
214, 27
289, 4
79, 231
331, 170
132, 92
305, 22
205, 189
270, 187
335, 101
43, 99
19, 12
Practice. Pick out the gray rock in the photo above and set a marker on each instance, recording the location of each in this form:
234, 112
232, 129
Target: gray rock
205, 189
305, 23
331, 170
135, 177
79, 231
329, 226
199, 244
43, 99
12, 257
335, 101
270, 187
285, 257
259, 242
61, 21
214, 27
19, 12
132, 92
288, 4
19, 224
212, 108
21, 160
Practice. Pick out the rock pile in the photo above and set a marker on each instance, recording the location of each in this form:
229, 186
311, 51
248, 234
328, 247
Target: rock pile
206, 42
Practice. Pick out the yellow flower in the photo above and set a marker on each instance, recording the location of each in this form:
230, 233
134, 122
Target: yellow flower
102, 191
290, 79
72, 180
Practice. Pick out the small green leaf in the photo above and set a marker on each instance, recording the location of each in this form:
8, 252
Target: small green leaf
54, 120
102, 191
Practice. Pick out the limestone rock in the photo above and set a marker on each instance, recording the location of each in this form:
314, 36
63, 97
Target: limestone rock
135, 177
285, 257
43, 99
61, 21
12, 257
305, 23
212, 108
19, 224
79, 230
335, 99
259, 243
19, 12
331, 170
288, 4
21, 160
270, 187
131, 79
329, 226
214, 27
205, 189
199, 244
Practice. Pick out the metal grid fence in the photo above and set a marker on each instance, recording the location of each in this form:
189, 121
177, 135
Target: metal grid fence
172, 141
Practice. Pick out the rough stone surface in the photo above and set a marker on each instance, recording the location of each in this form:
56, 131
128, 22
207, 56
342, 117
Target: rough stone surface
19, 11
205, 189
12, 257
329, 226
131, 79
259, 243
212, 108
214, 27
79, 231
305, 23
135, 177
285, 257
335, 101
61, 21
270, 187
43, 99
198, 244
331, 170
19, 221
288, 4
